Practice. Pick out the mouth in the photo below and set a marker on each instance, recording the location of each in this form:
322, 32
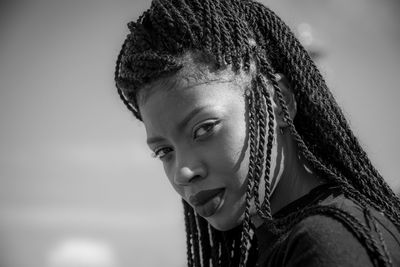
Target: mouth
207, 202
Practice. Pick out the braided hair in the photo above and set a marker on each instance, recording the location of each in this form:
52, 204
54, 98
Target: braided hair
224, 30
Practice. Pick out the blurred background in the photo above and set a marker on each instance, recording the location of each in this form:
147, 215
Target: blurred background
78, 186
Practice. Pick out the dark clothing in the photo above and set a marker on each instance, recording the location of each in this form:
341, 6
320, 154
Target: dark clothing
324, 240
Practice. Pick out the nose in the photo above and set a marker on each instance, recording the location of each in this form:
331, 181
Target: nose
186, 174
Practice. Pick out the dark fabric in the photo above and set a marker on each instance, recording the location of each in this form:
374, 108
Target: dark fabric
320, 240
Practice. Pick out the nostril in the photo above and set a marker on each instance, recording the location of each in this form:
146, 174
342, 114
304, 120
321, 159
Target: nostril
187, 175
195, 178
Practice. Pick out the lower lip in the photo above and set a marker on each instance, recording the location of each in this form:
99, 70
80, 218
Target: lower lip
211, 206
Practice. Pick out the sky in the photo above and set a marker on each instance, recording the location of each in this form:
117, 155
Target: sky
76, 177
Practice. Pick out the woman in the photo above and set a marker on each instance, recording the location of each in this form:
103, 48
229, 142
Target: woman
253, 141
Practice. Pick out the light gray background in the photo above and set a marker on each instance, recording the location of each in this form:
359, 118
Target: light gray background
77, 182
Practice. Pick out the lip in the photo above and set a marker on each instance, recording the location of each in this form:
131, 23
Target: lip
204, 196
207, 202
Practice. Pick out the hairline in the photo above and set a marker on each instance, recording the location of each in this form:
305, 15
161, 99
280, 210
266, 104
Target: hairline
197, 69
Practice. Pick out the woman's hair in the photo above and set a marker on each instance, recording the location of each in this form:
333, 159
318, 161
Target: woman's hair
223, 30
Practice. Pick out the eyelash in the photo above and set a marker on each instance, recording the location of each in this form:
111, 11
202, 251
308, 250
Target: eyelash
157, 152
208, 126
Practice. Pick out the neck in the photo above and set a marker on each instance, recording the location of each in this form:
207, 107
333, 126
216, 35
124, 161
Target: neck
295, 177
295, 183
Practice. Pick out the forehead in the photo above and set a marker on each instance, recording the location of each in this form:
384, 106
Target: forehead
164, 109
179, 97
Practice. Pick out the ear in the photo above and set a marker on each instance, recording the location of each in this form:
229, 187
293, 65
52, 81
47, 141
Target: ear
289, 98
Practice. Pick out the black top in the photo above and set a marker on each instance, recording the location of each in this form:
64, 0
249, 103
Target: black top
337, 232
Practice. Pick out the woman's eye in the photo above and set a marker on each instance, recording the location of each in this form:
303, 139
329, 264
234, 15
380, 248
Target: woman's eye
161, 152
205, 129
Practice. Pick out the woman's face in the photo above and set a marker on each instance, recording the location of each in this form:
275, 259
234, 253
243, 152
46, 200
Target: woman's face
199, 132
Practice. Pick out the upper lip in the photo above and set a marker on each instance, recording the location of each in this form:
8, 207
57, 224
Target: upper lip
203, 196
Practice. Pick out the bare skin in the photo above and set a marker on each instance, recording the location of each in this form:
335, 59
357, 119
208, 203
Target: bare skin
199, 131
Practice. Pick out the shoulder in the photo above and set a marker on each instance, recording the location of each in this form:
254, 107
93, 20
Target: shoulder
319, 240
340, 232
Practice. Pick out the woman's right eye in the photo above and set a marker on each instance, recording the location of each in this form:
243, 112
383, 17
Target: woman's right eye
160, 153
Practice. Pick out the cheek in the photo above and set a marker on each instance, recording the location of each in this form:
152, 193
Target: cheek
231, 150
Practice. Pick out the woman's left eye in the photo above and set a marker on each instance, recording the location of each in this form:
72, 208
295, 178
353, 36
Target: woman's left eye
204, 129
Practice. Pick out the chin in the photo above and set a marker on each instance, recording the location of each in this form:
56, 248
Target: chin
224, 223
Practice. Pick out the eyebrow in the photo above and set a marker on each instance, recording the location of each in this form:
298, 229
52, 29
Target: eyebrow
181, 125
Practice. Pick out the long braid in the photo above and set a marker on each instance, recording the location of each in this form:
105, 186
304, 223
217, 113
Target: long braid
180, 20
204, 241
371, 223
266, 94
365, 189
305, 80
189, 239
215, 244
222, 29
250, 180
212, 245
303, 147
216, 33
226, 248
258, 109
195, 239
226, 38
